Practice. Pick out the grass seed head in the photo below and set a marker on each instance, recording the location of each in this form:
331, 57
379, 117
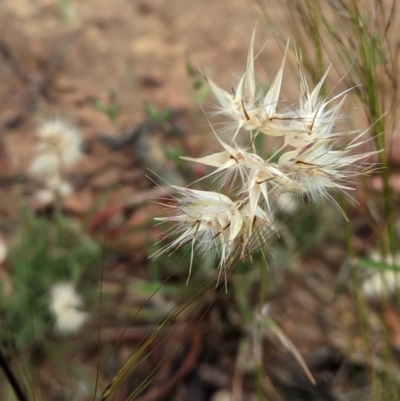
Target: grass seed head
316, 157
66, 304
61, 139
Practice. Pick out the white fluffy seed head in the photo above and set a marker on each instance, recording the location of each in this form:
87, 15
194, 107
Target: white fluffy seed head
318, 168
209, 220
44, 165
58, 148
61, 139
58, 185
45, 197
247, 106
66, 304
257, 230
233, 163
382, 283
315, 158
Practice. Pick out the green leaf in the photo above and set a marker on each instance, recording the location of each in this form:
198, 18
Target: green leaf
379, 266
190, 70
269, 322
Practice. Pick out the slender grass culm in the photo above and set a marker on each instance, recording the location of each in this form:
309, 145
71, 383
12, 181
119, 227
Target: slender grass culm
361, 38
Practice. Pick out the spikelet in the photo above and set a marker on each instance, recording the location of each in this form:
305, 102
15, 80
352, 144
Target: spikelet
210, 221
233, 162
318, 168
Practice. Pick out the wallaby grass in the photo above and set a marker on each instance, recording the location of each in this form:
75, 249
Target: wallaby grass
364, 51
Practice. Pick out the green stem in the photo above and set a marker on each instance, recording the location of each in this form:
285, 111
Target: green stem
360, 305
258, 341
369, 59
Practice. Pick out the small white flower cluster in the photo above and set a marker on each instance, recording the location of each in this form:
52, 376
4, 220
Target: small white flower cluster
58, 148
66, 305
315, 157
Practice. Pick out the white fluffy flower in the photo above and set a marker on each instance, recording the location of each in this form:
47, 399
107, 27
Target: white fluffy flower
315, 116
232, 162
66, 305
56, 137
319, 168
45, 197
257, 231
55, 187
264, 178
210, 220
212, 223
316, 156
381, 284
58, 148
385, 282
45, 165
249, 108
